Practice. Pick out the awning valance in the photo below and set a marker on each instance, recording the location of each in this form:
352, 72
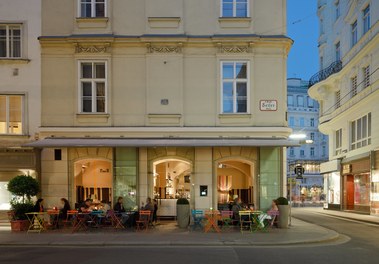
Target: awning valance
160, 142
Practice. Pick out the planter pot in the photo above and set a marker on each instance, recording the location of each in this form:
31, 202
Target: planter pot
183, 215
19, 225
283, 216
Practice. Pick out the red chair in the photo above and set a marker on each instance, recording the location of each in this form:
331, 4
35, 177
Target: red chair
143, 220
115, 219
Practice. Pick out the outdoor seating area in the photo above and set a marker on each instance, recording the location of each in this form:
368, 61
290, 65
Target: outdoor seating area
246, 221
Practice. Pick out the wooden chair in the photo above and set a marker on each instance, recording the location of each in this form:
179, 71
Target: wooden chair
143, 220
227, 219
246, 222
70, 218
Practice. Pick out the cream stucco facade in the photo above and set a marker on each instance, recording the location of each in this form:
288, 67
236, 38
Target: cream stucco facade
164, 69
349, 112
20, 90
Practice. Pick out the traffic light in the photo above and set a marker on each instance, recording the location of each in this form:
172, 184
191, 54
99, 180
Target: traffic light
299, 171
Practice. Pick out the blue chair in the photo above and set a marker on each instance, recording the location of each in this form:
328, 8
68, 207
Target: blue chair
198, 217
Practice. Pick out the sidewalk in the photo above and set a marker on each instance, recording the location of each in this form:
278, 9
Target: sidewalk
342, 214
169, 235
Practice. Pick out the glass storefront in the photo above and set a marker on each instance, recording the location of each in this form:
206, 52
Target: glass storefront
332, 187
362, 189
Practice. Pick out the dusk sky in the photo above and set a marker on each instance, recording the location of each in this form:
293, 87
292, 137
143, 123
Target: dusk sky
302, 27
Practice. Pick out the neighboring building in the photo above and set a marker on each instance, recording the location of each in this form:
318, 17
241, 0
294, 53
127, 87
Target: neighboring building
164, 98
348, 93
303, 114
20, 90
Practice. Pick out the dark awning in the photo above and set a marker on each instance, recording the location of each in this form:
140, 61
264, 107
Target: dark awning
161, 142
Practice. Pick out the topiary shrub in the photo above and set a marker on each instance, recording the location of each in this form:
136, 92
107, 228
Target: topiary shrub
182, 201
24, 188
282, 201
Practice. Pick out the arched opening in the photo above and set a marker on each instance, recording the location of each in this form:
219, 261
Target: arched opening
235, 178
93, 179
172, 180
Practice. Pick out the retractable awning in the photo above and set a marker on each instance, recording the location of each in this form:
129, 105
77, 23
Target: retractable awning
161, 142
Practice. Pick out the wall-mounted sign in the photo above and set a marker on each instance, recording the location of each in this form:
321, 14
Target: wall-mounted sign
268, 105
203, 190
346, 168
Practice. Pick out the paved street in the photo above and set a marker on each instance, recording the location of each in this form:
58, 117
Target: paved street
363, 247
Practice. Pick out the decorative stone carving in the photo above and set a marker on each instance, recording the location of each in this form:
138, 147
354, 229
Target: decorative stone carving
91, 48
234, 49
164, 49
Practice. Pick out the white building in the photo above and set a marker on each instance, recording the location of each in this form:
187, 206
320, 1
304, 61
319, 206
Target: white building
347, 89
20, 86
303, 114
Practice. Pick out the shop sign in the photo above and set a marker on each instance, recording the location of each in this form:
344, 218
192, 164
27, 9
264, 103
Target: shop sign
268, 105
346, 168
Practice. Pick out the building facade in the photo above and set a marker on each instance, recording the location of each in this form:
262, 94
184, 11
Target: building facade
20, 88
303, 114
163, 99
347, 90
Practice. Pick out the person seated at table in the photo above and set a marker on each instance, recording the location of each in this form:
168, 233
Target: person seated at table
86, 206
251, 207
66, 207
38, 207
120, 209
236, 207
105, 206
149, 205
155, 218
274, 205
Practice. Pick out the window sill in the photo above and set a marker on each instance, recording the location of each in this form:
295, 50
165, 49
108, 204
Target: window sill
92, 115
92, 22
234, 22
14, 61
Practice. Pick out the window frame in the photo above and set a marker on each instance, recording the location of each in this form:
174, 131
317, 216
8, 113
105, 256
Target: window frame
366, 19
338, 141
354, 33
312, 122
337, 10
366, 76
337, 48
93, 9
7, 114
234, 80
7, 39
360, 136
338, 99
312, 152
354, 85
234, 9
93, 87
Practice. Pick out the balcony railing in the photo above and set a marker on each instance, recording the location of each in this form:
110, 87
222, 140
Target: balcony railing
325, 73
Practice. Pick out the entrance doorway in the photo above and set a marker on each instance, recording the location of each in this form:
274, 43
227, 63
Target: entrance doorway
172, 180
349, 192
235, 179
93, 179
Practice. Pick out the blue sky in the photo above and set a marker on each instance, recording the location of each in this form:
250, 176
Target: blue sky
302, 27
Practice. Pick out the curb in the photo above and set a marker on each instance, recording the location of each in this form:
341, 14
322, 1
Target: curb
348, 218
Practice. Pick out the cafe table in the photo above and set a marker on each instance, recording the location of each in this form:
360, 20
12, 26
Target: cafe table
212, 218
36, 221
53, 217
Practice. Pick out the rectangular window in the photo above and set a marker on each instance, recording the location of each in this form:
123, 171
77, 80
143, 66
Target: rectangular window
366, 76
235, 82
302, 153
93, 87
354, 33
11, 114
300, 101
312, 152
312, 122
10, 41
338, 99
292, 121
338, 51
57, 154
301, 122
337, 9
361, 132
290, 100
338, 141
366, 19
92, 8
234, 8
292, 151
311, 103
354, 86
312, 136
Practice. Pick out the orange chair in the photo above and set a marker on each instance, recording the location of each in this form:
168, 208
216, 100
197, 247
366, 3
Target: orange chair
70, 218
115, 219
143, 220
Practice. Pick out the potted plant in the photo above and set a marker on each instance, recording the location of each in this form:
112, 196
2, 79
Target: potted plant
183, 212
283, 212
23, 188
